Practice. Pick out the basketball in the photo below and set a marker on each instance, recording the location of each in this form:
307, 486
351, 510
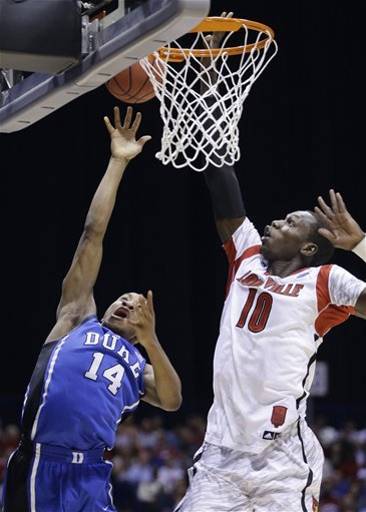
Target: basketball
132, 85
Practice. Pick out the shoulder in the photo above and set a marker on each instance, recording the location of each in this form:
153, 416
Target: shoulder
245, 239
70, 321
338, 286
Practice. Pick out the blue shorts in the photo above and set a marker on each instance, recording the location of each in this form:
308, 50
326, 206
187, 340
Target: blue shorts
44, 478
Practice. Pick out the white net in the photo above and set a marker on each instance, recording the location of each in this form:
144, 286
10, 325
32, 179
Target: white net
201, 99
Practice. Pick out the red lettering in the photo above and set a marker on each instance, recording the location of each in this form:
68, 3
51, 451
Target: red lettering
291, 289
250, 279
296, 290
287, 290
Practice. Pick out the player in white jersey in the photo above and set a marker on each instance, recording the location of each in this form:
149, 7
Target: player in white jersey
259, 455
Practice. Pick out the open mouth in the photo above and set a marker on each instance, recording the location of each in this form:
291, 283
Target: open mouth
266, 233
121, 312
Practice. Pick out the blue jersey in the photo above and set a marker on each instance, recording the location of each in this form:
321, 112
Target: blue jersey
82, 386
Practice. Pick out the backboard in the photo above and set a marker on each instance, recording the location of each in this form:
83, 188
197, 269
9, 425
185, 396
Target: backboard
120, 34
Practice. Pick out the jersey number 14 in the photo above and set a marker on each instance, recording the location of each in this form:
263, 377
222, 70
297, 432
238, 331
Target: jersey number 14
114, 374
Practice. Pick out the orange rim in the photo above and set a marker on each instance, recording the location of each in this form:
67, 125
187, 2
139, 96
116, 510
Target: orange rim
217, 24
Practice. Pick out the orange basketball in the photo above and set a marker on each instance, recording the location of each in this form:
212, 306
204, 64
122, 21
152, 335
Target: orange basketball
132, 85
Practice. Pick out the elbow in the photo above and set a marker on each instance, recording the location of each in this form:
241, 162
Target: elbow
92, 230
173, 404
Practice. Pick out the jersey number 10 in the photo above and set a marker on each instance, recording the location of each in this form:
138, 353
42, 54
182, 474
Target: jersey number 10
114, 374
259, 317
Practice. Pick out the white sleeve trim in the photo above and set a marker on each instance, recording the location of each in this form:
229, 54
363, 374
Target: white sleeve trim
360, 249
245, 236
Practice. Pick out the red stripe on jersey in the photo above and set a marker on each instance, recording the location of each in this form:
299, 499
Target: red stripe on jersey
234, 265
332, 316
230, 250
322, 287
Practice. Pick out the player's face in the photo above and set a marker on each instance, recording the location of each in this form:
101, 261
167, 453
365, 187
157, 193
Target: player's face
284, 239
120, 315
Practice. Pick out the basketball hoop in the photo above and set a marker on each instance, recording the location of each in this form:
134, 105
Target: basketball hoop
205, 124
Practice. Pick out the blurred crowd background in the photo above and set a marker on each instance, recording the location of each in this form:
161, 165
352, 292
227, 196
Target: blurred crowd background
150, 462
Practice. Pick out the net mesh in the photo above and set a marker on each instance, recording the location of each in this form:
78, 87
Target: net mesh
201, 99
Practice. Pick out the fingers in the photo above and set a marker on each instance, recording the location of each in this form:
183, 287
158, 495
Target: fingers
327, 234
333, 200
137, 122
322, 215
142, 140
325, 208
141, 311
142, 305
128, 118
150, 301
117, 117
214, 40
108, 125
337, 205
127, 123
224, 15
341, 205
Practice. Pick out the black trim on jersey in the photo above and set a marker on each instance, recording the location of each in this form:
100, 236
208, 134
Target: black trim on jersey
194, 471
35, 390
16, 483
196, 459
311, 361
310, 476
37, 381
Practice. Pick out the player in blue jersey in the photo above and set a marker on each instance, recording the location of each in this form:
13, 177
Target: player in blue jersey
89, 373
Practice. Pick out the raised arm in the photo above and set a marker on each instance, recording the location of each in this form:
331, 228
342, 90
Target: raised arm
77, 300
222, 182
344, 233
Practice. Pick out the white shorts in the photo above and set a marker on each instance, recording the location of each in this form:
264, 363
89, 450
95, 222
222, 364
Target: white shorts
285, 477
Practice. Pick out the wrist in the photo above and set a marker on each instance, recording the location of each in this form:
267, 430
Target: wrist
360, 248
122, 160
149, 340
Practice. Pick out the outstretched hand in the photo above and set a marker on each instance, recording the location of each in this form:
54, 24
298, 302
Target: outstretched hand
213, 41
341, 228
123, 137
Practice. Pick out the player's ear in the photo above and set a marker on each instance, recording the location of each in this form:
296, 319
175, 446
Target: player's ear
309, 249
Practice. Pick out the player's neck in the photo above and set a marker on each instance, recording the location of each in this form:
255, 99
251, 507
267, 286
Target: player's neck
284, 268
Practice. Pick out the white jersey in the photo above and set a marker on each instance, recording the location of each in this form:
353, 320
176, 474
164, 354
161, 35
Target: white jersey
271, 328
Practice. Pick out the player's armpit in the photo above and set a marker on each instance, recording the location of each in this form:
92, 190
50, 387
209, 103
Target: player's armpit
226, 227
71, 315
151, 394
361, 305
